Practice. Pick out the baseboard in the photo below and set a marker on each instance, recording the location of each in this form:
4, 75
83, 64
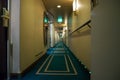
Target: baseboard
19, 75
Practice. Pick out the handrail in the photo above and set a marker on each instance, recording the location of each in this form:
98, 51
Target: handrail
87, 23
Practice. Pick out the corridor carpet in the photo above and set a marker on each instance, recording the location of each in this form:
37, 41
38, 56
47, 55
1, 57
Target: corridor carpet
59, 63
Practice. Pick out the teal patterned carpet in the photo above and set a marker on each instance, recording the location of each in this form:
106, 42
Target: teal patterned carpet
58, 63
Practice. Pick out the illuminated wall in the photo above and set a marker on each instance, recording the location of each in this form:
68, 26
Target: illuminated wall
31, 32
80, 41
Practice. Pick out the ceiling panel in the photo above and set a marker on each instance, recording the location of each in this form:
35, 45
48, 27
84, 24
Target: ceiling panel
51, 6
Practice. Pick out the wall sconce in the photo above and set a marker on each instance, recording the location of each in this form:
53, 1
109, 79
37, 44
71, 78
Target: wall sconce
76, 6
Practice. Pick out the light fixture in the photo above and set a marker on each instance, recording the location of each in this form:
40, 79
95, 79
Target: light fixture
76, 6
58, 6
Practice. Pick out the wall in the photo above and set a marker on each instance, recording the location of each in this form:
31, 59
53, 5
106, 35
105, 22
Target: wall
65, 31
56, 37
106, 41
31, 32
52, 35
80, 41
15, 38
81, 46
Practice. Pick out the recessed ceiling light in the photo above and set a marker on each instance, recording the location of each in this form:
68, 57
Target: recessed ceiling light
58, 6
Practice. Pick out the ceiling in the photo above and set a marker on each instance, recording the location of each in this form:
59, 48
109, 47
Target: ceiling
51, 6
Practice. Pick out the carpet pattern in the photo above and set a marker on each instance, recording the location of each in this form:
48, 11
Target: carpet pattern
59, 63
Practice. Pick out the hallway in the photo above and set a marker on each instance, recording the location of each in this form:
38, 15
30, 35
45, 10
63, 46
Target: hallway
59, 40
58, 63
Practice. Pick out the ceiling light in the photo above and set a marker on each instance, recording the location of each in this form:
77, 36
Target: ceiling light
58, 6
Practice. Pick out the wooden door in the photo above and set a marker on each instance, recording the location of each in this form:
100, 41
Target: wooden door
3, 43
